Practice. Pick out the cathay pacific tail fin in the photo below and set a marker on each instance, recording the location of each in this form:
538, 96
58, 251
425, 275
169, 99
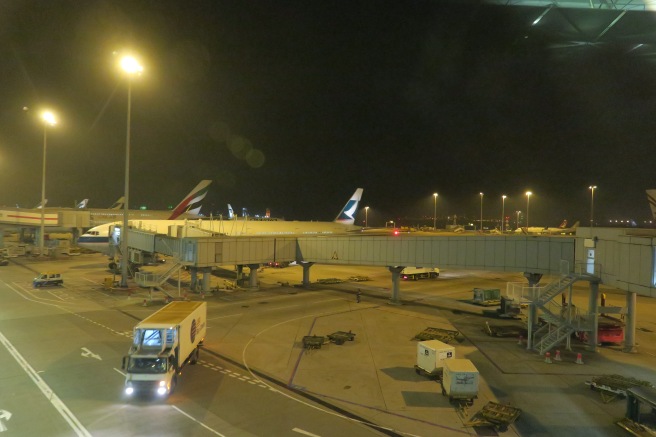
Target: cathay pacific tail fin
347, 214
651, 197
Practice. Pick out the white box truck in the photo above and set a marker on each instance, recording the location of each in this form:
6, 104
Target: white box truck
162, 344
414, 273
431, 355
460, 380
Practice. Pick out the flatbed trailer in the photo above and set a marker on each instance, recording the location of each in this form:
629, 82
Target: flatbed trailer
613, 386
443, 335
499, 416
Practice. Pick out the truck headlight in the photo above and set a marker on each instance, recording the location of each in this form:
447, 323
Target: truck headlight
161, 390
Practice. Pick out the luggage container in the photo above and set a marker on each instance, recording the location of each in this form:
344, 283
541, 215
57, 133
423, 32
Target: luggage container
431, 355
460, 380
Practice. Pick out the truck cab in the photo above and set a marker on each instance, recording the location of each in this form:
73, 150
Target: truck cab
45, 279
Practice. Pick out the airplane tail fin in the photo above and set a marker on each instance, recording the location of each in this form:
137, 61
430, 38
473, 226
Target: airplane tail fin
82, 204
576, 225
267, 213
118, 204
231, 213
563, 225
39, 206
194, 197
347, 214
651, 197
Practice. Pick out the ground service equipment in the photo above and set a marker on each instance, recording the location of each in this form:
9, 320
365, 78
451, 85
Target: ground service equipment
45, 279
460, 380
431, 355
162, 344
414, 273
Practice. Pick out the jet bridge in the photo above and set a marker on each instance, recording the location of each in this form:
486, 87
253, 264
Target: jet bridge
519, 253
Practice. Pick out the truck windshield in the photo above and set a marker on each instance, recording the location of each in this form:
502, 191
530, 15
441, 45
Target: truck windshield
147, 365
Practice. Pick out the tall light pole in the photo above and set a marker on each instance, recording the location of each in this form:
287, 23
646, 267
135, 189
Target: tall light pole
517, 219
503, 207
592, 188
528, 199
132, 68
366, 216
481, 194
434, 210
48, 119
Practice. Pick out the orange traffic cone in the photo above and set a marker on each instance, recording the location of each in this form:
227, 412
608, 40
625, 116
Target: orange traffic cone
145, 303
547, 358
579, 358
520, 342
557, 357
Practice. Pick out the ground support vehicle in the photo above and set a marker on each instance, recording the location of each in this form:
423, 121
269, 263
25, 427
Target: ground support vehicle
460, 381
45, 279
340, 337
640, 417
313, 341
612, 386
431, 355
163, 344
414, 273
499, 416
487, 297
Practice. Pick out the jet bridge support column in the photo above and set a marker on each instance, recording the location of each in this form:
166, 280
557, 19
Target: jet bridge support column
207, 276
240, 274
629, 329
306, 272
396, 273
533, 280
193, 283
593, 309
252, 278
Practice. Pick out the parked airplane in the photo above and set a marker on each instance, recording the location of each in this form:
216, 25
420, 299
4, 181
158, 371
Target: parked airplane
651, 197
118, 204
98, 238
560, 230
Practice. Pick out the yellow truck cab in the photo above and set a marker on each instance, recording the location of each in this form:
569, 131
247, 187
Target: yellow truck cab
45, 279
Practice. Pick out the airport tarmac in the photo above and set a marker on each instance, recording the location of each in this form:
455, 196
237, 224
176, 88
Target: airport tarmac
372, 378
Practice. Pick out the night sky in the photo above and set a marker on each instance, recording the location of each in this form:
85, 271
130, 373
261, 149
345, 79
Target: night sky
292, 105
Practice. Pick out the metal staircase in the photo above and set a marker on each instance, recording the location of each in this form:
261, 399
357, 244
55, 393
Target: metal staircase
158, 278
562, 321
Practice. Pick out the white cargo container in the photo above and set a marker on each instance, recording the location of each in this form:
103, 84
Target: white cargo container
460, 380
431, 355
162, 344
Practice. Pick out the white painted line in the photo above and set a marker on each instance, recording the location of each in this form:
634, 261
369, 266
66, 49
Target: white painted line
45, 389
119, 371
223, 317
300, 431
198, 422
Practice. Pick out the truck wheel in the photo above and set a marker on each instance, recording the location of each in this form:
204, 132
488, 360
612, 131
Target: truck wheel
112, 266
194, 357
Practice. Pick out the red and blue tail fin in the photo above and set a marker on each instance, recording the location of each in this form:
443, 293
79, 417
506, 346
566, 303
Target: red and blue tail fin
189, 203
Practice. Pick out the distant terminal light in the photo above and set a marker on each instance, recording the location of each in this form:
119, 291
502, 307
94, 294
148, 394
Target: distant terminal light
143, 207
